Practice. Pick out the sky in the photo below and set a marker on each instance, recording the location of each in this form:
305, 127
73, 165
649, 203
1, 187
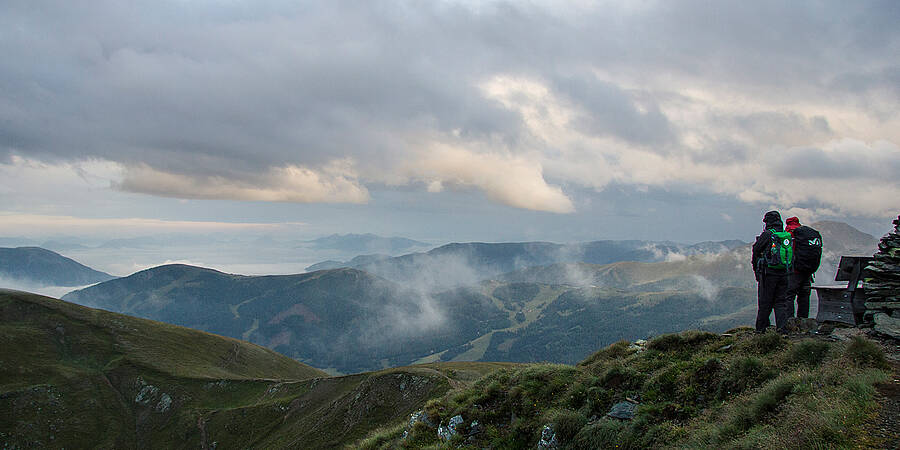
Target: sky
447, 120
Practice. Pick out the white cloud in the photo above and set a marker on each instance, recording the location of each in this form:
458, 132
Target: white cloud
511, 180
838, 176
336, 183
11, 222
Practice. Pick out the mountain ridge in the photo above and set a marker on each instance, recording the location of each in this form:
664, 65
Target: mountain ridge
456, 264
307, 316
41, 266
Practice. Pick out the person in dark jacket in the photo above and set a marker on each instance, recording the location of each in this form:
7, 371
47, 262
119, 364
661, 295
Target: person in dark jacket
800, 282
773, 283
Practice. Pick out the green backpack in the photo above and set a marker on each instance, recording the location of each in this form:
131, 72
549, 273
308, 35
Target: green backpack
780, 254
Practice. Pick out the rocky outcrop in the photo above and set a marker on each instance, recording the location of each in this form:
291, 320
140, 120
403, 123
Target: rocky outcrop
548, 440
447, 432
882, 279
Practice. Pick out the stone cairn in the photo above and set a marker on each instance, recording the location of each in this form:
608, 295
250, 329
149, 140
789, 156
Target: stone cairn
882, 285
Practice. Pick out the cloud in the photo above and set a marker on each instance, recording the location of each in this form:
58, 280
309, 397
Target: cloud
510, 180
522, 101
26, 285
337, 183
13, 222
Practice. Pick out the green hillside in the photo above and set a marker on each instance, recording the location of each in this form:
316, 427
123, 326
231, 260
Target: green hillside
75, 377
347, 320
687, 390
563, 312
343, 319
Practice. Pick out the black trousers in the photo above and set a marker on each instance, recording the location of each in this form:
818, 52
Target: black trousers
772, 294
799, 287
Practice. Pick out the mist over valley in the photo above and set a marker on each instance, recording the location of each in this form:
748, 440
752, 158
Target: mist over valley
518, 302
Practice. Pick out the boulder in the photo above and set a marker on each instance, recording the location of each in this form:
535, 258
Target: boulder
887, 325
623, 410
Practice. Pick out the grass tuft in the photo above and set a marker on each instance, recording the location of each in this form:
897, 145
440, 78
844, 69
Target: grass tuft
680, 341
865, 353
616, 350
767, 342
566, 423
810, 352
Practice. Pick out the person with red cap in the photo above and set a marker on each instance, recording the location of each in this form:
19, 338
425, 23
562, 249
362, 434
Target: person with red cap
791, 224
807, 244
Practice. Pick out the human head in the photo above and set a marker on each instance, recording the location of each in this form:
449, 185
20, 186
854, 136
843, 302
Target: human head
791, 223
772, 219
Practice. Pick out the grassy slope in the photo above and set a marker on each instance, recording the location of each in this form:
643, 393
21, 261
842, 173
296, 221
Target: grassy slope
72, 377
90, 338
696, 390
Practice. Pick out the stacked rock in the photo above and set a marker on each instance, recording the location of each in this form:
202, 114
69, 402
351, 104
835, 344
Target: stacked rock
882, 285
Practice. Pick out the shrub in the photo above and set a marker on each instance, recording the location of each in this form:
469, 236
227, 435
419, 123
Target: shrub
597, 401
768, 399
664, 384
605, 433
865, 353
743, 373
435, 410
810, 352
766, 343
545, 382
611, 352
680, 341
622, 378
566, 423
382, 438
707, 372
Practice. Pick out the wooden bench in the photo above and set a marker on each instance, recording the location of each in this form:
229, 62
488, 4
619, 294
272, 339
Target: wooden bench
845, 304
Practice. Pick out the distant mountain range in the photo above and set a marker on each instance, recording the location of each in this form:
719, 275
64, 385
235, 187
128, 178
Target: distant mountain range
75, 377
460, 264
39, 266
349, 320
365, 243
522, 302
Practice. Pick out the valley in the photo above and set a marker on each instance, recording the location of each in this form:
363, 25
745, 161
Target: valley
362, 352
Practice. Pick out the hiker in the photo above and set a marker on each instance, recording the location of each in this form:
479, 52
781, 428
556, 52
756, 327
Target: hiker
807, 244
772, 257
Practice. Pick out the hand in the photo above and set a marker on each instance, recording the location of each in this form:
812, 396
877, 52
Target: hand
756, 274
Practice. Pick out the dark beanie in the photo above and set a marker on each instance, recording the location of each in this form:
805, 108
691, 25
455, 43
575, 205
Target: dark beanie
772, 219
